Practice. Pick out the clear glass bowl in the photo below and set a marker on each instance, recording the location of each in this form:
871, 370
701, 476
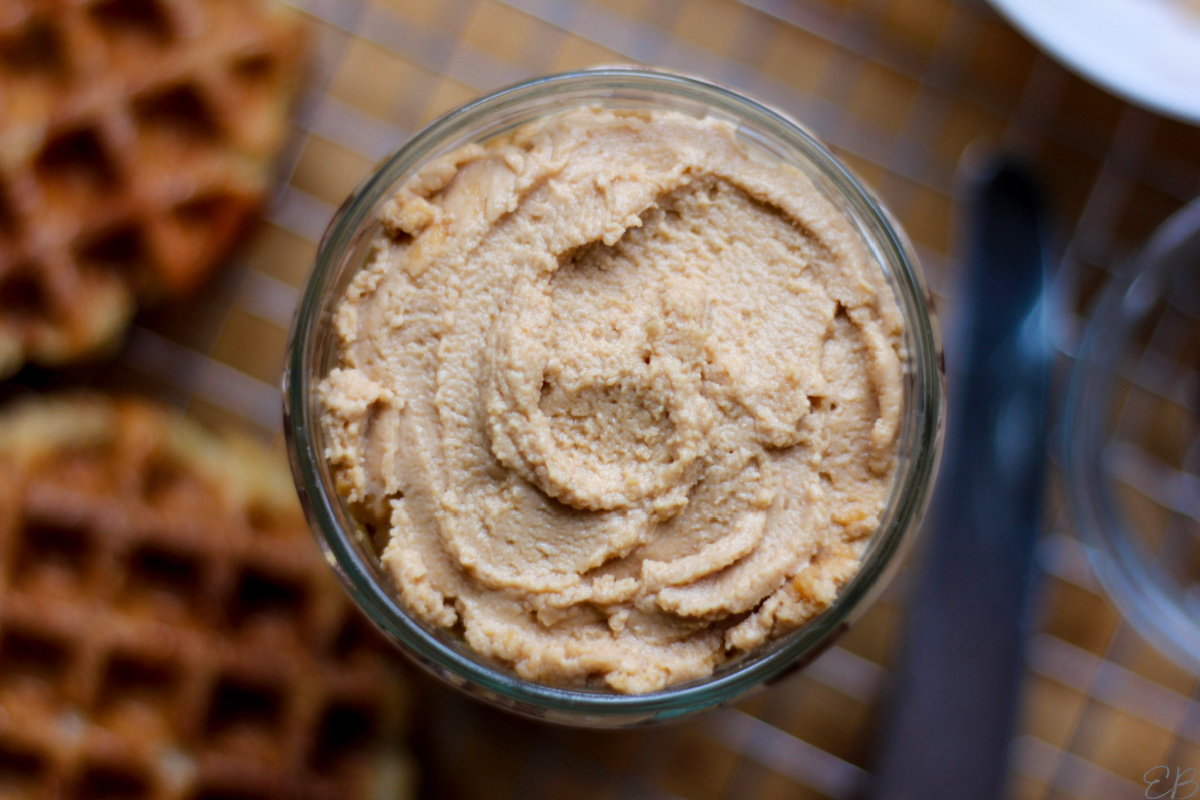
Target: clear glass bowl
312, 353
1131, 439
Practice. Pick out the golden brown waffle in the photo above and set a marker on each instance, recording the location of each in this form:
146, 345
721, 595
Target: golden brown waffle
168, 629
136, 140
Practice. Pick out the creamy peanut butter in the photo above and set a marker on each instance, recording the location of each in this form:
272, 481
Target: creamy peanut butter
617, 400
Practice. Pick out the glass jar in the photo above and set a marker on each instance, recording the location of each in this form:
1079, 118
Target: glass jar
767, 134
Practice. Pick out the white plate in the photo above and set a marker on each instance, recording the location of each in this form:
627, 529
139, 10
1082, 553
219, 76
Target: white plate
1147, 51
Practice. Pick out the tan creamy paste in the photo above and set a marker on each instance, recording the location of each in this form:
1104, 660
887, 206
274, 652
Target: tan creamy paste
617, 400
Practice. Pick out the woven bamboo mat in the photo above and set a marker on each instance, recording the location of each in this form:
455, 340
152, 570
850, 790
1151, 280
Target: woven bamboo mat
899, 88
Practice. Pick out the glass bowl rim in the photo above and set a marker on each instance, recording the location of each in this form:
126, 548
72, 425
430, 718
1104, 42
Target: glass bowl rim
492, 680
1141, 588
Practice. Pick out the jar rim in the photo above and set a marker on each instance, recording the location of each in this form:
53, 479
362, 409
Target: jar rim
769, 662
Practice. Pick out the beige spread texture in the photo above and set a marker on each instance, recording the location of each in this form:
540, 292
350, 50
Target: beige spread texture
617, 400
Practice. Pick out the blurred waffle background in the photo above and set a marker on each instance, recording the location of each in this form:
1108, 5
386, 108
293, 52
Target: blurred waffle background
899, 88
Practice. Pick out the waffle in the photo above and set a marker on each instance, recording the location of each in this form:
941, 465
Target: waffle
136, 140
168, 629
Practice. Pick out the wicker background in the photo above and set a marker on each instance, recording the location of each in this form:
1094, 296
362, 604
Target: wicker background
899, 88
